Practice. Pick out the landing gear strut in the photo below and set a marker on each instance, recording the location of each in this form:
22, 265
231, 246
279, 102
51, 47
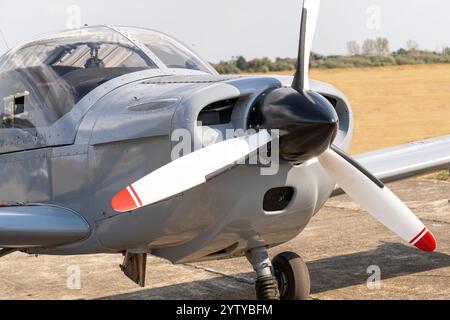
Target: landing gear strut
266, 283
285, 278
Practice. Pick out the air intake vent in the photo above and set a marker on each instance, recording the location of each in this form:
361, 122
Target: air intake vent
217, 113
277, 199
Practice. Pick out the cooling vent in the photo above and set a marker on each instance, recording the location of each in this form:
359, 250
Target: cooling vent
217, 113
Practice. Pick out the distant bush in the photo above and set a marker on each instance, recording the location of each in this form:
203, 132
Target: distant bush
400, 57
403, 60
227, 67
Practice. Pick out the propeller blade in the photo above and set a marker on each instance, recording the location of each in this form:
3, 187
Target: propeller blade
373, 196
187, 172
310, 14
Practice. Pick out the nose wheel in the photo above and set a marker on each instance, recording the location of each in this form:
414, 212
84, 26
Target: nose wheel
286, 277
292, 276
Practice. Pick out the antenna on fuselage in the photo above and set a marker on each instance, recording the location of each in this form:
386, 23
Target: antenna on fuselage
4, 39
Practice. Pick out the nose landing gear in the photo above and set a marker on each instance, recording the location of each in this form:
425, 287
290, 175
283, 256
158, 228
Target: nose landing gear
286, 277
266, 283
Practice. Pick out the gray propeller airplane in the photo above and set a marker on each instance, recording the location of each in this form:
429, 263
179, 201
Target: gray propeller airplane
86, 156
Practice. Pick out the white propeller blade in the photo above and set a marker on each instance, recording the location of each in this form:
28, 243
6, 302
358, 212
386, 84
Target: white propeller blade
312, 9
377, 199
187, 172
310, 14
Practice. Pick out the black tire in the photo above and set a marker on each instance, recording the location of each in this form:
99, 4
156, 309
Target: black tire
292, 275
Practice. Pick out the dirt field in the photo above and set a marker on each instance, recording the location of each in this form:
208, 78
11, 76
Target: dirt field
394, 105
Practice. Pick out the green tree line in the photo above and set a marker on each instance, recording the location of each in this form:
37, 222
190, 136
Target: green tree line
372, 53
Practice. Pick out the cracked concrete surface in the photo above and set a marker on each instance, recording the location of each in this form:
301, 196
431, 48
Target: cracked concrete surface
339, 245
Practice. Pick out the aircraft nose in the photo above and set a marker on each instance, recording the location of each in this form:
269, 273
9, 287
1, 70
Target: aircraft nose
307, 122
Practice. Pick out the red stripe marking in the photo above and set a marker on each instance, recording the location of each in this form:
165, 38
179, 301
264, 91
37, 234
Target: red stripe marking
123, 201
420, 233
136, 195
427, 243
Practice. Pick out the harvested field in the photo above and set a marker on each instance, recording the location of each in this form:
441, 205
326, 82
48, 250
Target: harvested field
394, 105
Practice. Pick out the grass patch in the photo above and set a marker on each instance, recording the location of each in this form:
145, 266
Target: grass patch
441, 176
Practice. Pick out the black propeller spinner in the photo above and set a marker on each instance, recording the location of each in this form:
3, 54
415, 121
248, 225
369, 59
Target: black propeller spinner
307, 122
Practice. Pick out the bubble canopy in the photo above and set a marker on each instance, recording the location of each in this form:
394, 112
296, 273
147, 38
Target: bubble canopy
112, 46
50, 75
42, 81
166, 51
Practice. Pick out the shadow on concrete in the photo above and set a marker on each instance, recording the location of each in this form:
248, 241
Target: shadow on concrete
394, 260
332, 273
219, 288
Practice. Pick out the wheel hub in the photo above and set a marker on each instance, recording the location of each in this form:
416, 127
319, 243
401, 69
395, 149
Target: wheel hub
282, 282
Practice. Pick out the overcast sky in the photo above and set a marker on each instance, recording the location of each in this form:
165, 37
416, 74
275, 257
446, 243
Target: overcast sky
219, 29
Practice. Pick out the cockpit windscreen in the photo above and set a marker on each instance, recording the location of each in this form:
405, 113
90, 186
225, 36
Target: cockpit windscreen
43, 80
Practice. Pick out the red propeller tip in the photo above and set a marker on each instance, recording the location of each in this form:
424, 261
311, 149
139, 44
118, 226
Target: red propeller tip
123, 201
427, 243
